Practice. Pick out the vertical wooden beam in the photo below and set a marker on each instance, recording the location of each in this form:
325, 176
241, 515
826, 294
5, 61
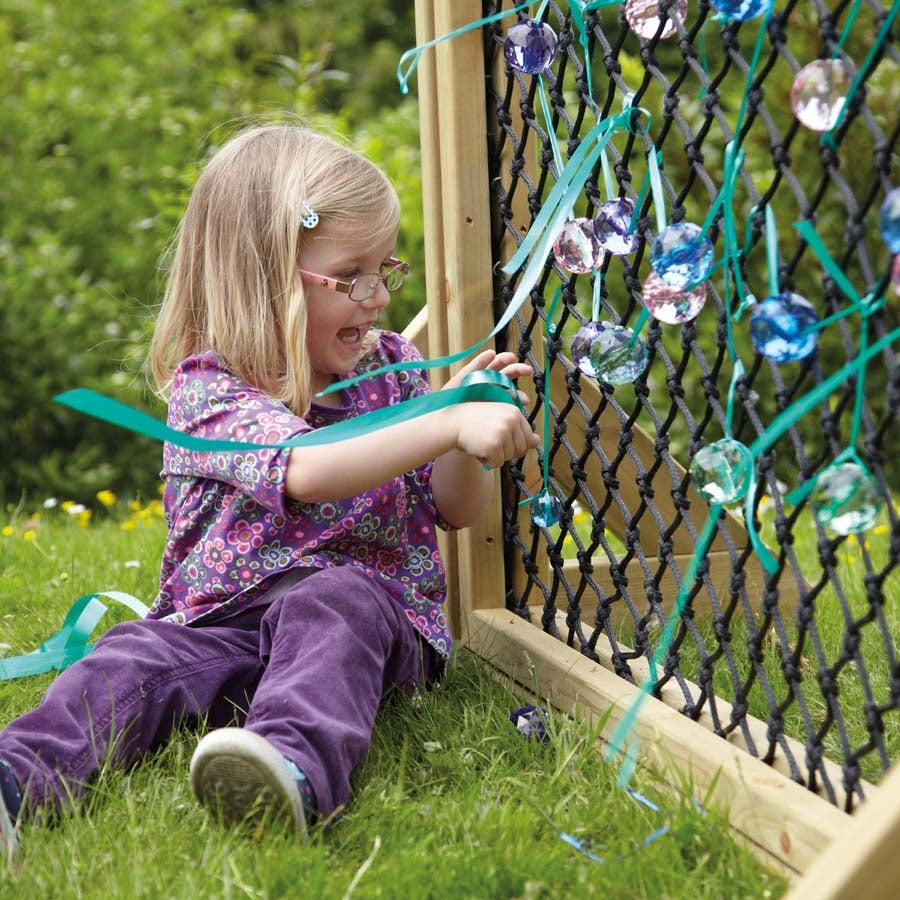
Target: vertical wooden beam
465, 220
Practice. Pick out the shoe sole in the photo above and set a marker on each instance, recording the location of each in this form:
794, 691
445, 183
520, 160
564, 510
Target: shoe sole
239, 775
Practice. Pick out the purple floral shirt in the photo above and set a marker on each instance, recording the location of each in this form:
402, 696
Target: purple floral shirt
232, 529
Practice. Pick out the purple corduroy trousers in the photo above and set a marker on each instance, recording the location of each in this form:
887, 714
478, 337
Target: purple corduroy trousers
307, 671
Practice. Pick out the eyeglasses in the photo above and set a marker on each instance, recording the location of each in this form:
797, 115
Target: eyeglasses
393, 273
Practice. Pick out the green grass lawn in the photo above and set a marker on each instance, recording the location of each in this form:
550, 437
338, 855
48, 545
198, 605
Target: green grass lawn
451, 801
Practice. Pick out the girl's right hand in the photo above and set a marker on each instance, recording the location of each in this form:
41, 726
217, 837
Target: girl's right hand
492, 433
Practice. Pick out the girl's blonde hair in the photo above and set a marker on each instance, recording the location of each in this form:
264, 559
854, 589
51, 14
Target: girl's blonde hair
233, 286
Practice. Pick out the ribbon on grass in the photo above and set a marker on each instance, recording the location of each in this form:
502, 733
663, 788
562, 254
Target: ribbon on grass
71, 642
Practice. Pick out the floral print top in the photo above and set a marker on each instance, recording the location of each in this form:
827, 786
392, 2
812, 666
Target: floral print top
232, 529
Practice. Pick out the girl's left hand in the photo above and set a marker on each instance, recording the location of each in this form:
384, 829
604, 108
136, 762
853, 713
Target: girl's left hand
505, 363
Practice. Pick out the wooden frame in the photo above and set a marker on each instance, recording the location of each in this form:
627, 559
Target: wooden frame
788, 824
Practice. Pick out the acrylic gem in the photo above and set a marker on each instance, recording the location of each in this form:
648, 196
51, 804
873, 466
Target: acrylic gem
670, 304
530, 46
644, 18
722, 471
782, 327
608, 352
682, 255
742, 10
546, 510
846, 498
890, 220
576, 248
819, 93
895, 275
612, 227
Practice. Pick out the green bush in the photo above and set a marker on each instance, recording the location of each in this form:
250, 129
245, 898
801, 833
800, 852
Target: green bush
109, 110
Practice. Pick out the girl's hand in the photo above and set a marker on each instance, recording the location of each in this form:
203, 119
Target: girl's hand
492, 433
505, 363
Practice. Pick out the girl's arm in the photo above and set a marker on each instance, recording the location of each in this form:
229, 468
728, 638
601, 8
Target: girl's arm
461, 439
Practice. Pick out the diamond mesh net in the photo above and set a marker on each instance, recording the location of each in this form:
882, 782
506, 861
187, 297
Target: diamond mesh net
799, 663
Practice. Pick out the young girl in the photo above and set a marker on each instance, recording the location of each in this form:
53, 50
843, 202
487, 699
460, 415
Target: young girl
297, 585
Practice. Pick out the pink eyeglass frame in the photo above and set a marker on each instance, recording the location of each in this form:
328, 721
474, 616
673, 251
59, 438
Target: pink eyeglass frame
343, 286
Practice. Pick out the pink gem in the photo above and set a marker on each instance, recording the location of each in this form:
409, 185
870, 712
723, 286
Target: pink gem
643, 17
895, 274
819, 93
670, 304
576, 248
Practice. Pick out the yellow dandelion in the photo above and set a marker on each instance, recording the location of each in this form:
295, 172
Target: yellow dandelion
84, 518
66, 504
30, 535
134, 505
107, 498
129, 525
880, 530
7, 530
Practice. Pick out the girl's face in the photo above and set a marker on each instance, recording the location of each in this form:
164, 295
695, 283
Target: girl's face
337, 325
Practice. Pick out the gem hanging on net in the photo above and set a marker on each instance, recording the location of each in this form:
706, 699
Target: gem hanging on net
819, 92
546, 510
889, 220
643, 17
530, 46
782, 327
682, 255
846, 498
609, 353
672, 305
742, 10
722, 471
576, 248
612, 225
895, 274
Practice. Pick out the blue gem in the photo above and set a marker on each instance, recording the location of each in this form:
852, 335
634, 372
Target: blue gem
608, 352
682, 255
741, 10
530, 46
890, 220
546, 510
782, 327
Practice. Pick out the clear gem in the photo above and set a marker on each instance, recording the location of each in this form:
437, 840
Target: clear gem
546, 510
610, 353
742, 10
682, 255
671, 304
576, 248
819, 92
890, 220
781, 327
846, 498
530, 46
612, 226
722, 471
643, 17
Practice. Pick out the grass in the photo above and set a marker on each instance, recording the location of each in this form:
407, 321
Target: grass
451, 801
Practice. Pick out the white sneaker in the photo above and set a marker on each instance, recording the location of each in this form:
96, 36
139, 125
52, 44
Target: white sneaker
9, 837
239, 775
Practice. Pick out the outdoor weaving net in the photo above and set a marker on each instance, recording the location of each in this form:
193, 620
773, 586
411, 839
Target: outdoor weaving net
797, 662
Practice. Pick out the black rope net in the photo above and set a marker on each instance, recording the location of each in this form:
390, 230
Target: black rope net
799, 665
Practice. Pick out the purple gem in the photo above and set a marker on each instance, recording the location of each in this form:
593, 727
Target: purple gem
741, 10
612, 227
643, 17
895, 274
530, 46
890, 220
671, 304
682, 255
576, 248
781, 327
609, 353
819, 92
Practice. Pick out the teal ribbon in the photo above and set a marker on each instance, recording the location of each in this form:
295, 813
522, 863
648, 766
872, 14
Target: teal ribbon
71, 642
485, 385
